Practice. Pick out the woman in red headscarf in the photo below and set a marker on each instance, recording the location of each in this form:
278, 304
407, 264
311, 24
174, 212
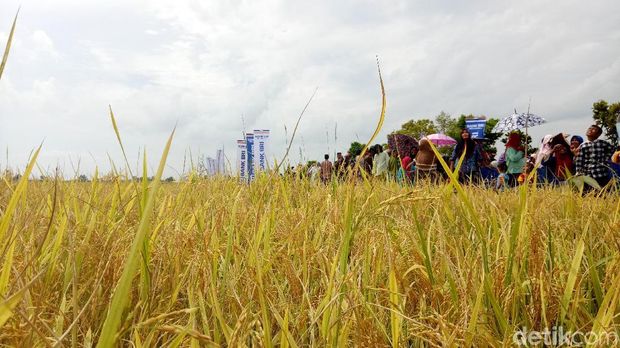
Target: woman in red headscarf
515, 157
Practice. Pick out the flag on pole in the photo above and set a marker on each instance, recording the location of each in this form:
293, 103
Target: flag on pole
219, 162
249, 141
242, 161
261, 140
476, 128
210, 166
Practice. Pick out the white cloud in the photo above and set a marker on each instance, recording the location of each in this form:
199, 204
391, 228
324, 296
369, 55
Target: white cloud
202, 65
40, 47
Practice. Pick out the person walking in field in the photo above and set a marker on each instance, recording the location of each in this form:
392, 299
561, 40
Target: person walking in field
348, 165
367, 161
314, 171
393, 164
405, 174
326, 170
380, 162
339, 165
593, 157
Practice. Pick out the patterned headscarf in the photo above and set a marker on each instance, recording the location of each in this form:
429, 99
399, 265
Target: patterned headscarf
546, 149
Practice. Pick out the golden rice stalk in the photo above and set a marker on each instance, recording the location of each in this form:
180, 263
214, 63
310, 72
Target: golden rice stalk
6, 220
381, 117
120, 142
295, 131
395, 318
7, 306
8, 45
572, 279
123, 288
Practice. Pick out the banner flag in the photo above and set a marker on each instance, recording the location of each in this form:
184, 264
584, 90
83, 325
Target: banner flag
210, 166
266, 149
242, 161
260, 146
219, 162
249, 142
207, 166
476, 127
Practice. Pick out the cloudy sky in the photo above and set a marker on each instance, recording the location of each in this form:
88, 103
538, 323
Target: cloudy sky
207, 65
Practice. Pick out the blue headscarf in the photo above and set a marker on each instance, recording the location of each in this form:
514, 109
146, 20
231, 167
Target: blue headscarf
578, 138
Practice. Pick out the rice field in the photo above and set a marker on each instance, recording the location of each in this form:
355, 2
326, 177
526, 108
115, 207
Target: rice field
292, 263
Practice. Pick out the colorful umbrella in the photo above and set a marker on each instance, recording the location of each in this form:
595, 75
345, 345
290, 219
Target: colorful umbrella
402, 144
441, 140
517, 121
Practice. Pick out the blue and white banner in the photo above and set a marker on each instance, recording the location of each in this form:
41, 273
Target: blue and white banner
249, 142
242, 161
261, 141
476, 127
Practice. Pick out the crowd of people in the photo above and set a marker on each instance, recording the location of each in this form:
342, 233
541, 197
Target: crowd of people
557, 159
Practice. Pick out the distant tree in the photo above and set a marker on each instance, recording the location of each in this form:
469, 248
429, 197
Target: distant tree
83, 178
606, 116
418, 128
445, 123
457, 126
169, 179
356, 148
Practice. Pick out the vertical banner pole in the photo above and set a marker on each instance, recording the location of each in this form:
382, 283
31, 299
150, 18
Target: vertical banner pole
249, 140
242, 164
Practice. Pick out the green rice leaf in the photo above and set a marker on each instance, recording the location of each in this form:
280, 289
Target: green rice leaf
132, 263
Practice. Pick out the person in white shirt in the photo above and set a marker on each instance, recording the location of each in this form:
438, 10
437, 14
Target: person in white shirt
381, 162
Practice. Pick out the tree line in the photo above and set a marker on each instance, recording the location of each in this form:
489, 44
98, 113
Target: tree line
604, 114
